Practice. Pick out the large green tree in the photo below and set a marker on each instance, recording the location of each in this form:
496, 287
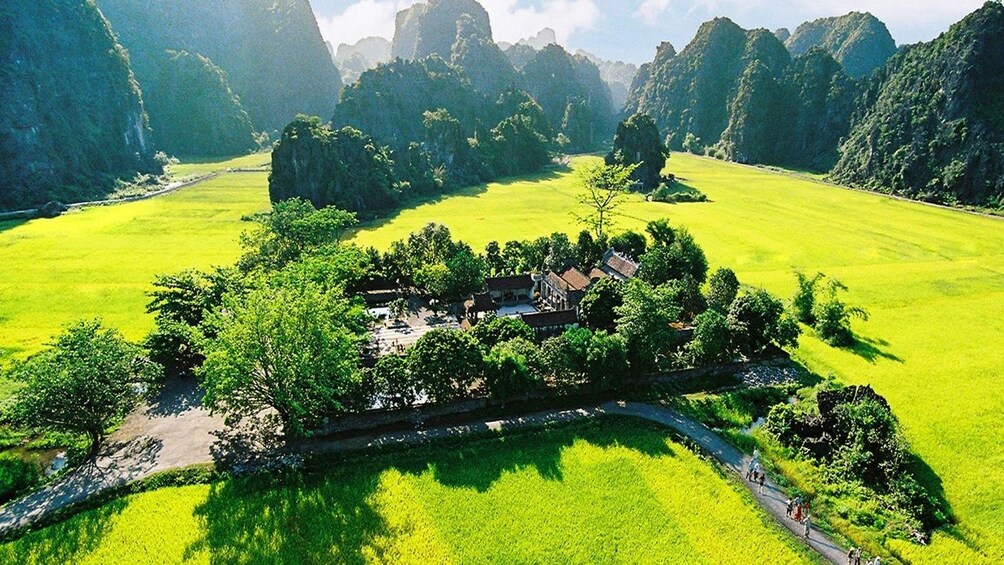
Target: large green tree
598, 308
89, 378
292, 350
645, 319
446, 363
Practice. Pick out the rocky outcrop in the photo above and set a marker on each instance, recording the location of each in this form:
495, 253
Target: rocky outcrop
71, 115
271, 50
858, 41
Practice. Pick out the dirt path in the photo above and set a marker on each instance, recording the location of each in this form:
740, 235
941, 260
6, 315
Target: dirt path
177, 432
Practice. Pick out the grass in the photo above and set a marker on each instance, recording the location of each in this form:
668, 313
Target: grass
100, 261
195, 166
610, 491
932, 280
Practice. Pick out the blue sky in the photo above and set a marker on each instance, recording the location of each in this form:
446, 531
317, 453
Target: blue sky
630, 30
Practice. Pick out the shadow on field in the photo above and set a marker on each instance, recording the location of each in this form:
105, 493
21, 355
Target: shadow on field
11, 224
872, 350
475, 191
479, 464
67, 542
291, 517
328, 512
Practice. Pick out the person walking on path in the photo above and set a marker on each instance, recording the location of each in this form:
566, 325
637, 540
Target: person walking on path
851, 554
761, 482
790, 506
749, 470
807, 524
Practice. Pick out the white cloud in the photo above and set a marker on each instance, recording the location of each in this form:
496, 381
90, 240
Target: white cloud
511, 21
364, 18
650, 10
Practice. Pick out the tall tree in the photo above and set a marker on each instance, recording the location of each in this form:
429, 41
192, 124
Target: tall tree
294, 350
605, 188
88, 379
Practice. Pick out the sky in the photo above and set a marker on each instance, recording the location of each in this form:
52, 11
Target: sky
630, 30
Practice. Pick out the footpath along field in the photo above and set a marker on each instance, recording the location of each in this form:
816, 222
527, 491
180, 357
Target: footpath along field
614, 490
932, 280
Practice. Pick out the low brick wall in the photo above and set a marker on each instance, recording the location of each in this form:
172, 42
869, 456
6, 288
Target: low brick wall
380, 419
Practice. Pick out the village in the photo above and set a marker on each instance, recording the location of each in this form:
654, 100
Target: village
546, 302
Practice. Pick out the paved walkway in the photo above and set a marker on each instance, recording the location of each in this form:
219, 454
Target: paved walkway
176, 432
173, 431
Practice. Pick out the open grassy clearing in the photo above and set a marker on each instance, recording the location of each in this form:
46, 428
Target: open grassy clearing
100, 261
615, 490
194, 166
932, 279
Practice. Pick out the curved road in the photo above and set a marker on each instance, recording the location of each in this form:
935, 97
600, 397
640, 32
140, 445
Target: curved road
176, 431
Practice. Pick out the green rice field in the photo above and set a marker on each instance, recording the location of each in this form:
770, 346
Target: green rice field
932, 280
100, 261
611, 491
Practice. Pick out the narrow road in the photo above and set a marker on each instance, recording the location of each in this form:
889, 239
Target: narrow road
176, 432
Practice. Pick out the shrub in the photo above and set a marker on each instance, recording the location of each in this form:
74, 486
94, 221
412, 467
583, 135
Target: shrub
16, 476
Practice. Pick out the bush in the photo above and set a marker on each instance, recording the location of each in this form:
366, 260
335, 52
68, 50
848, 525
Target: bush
16, 476
676, 193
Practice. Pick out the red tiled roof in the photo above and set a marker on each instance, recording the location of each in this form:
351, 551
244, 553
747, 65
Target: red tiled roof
481, 303
576, 279
597, 274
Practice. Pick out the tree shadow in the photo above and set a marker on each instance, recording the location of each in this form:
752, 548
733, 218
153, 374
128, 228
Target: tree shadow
479, 464
932, 483
178, 395
6, 225
65, 542
872, 350
291, 517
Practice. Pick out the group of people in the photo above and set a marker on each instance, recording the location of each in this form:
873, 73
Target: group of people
754, 473
798, 510
854, 558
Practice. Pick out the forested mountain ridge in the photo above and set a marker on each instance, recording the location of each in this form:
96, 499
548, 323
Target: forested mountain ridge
271, 50
431, 28
691, 92
931, 123
71, 114
858, 41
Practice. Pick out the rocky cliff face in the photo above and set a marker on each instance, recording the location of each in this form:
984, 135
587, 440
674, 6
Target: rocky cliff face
931, 125
431, 29
691, 92
193, 110
271, 50
858, 41
71, 115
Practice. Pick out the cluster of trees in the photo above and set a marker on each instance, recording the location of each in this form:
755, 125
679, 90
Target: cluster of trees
828, 315
854, 434
440, 149
498, 359
280, 331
